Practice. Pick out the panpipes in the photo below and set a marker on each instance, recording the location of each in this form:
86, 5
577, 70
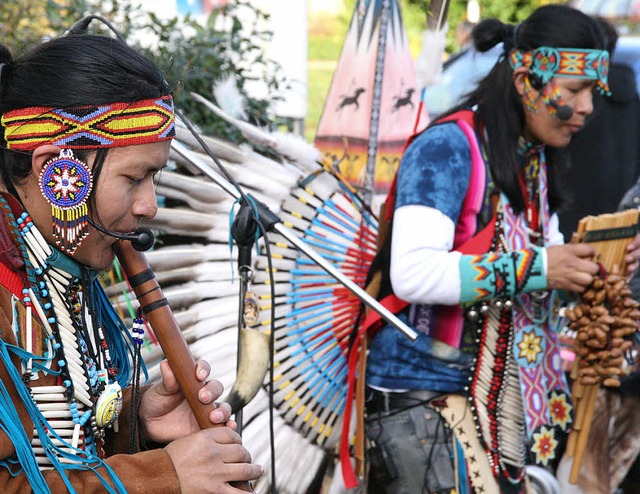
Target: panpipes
609, 235
603, 320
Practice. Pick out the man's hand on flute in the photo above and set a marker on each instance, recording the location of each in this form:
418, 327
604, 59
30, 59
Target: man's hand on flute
165, 414
206, 461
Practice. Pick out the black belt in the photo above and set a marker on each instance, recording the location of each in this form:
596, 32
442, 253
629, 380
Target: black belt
386, 401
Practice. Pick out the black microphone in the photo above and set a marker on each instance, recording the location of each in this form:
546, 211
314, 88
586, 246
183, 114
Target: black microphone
141, 239
564, 112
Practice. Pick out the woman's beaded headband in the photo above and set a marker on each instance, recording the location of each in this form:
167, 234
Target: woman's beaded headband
546, 62
87, 127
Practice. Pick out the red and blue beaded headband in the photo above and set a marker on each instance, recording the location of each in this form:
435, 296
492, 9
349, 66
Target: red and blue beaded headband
88, 127
546, 62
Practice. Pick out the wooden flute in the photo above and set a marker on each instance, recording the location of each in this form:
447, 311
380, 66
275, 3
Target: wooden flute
155, 307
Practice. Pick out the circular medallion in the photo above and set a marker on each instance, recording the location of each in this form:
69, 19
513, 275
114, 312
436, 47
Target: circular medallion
65, 182
109, 405
545, 63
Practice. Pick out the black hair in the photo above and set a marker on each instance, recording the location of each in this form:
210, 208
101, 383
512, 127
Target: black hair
67, 72
499, 108
610, 33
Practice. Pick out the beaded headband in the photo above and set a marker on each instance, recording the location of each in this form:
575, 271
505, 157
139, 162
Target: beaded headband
546, 62
88, 127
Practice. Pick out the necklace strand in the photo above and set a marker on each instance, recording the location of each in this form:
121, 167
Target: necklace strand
61, 295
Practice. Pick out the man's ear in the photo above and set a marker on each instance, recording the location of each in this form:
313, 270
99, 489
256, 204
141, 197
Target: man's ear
519, 76
41, 155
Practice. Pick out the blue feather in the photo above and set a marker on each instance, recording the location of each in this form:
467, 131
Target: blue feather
119, 340
10, 423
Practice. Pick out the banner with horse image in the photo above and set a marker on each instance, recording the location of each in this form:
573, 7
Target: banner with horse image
373, 101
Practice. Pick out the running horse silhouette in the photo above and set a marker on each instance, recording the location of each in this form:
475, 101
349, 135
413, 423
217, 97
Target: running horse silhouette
350, 99
403, 100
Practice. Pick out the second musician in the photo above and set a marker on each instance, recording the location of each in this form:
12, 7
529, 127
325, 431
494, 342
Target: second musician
476, 259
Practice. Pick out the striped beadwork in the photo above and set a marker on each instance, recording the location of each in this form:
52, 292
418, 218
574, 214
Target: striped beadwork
89, 127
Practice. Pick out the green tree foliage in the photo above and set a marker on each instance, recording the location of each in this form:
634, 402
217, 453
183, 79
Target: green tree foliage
505, 10
23, 23
195, 56
510, 11
415, 12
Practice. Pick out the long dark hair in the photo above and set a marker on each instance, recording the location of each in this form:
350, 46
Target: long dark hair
499, 107
72, 71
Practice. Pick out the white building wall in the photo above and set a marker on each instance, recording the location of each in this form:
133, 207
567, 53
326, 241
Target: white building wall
288, 46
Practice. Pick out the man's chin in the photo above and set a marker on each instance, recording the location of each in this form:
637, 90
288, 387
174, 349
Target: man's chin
106, 262
100, 259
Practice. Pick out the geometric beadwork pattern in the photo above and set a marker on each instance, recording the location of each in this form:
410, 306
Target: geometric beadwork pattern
89, 127
65, 182
546, 62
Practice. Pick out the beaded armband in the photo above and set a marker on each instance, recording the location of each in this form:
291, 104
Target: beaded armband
501, 275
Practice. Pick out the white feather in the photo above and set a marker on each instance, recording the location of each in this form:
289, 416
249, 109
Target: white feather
176, 256
199, 188
297, 150
290, 146
229, 97
221, 149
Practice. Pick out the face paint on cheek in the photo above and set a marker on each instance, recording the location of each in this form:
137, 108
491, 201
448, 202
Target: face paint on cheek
554, 103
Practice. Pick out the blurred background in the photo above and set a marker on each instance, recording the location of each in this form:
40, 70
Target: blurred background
282, 54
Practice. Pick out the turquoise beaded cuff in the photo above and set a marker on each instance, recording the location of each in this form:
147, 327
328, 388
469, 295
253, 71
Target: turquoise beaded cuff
496, 275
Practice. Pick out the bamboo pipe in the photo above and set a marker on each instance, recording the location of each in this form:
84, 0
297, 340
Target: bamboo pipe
583, 433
